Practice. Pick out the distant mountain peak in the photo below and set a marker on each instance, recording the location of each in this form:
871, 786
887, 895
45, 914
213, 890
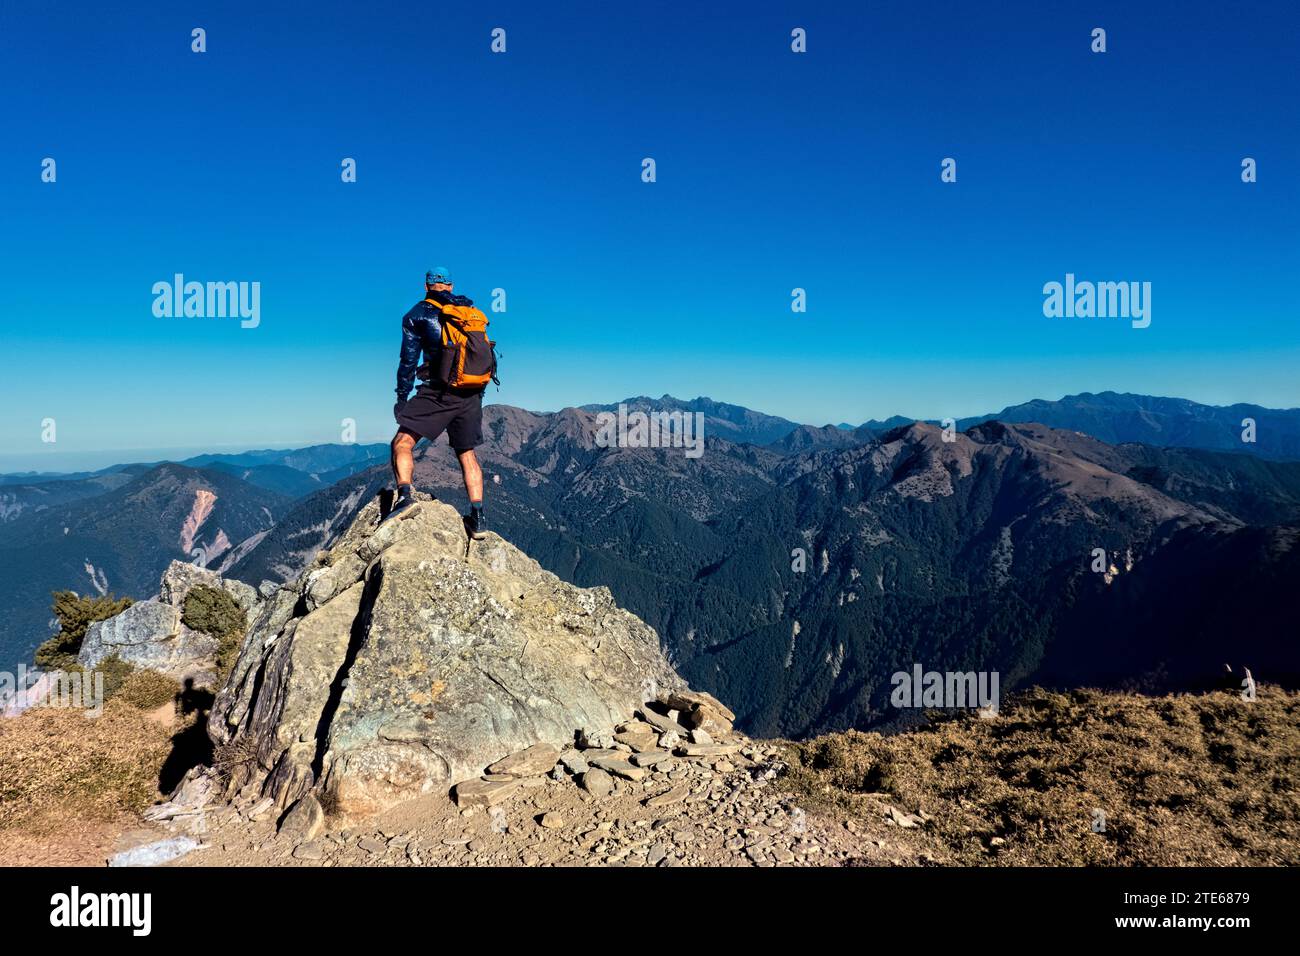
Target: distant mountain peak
735, 423
1119, 417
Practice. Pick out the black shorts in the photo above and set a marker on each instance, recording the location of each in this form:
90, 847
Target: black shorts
431, 411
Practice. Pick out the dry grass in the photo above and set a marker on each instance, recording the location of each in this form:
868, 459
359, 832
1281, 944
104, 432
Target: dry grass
235, 761
1183, 780
147, 690
57, 765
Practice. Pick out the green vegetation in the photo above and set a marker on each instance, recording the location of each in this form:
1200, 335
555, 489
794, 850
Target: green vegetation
115, 670
213, 611
1208, 780
75, 613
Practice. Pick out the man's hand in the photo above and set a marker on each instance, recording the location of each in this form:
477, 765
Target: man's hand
397, 408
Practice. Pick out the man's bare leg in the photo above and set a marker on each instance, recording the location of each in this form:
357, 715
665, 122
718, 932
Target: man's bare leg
473, 476
403, 462
402, 459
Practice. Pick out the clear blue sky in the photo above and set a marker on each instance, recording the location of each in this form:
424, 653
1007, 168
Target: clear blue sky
523, 171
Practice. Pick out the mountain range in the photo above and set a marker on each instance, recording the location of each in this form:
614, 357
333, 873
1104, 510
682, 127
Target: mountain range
120, 540
1112, 417
116, 529
971, 554
293, 472
791, 570
1167, 422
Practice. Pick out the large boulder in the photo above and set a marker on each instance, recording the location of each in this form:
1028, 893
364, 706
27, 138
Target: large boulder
404, 661
180, 578
149, 634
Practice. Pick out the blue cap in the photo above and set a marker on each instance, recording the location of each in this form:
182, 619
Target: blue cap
438, 274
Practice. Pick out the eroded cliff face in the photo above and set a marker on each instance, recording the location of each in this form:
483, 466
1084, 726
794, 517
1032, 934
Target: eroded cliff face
404, 661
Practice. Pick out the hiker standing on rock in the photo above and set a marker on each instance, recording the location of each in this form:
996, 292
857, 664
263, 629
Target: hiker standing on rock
459, 361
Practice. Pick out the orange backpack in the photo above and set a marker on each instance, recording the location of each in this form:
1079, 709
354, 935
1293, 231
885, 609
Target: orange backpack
469, 358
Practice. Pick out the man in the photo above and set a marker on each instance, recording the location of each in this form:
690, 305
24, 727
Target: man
436, 407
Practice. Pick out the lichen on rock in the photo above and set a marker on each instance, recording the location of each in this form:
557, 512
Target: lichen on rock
403, 661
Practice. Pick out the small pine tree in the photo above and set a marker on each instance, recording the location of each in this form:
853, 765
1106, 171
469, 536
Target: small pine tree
75, 613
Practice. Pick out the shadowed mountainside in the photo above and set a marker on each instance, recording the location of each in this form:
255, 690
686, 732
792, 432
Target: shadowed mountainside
120, 542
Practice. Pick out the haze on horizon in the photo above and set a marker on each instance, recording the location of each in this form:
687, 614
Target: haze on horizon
57, 461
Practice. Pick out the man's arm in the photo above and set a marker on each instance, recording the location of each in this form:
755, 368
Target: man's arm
409, 359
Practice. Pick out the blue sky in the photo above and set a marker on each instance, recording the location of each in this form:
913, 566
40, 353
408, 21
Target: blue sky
522, 171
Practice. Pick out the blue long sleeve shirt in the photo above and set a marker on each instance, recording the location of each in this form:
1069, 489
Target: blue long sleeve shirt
422, 335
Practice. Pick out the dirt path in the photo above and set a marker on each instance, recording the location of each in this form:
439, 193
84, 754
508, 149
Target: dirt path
73, 843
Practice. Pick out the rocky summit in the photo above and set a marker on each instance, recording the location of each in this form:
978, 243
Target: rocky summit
405, 661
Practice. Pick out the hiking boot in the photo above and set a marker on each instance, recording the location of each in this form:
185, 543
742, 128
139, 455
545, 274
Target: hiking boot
476, 524
403, 508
